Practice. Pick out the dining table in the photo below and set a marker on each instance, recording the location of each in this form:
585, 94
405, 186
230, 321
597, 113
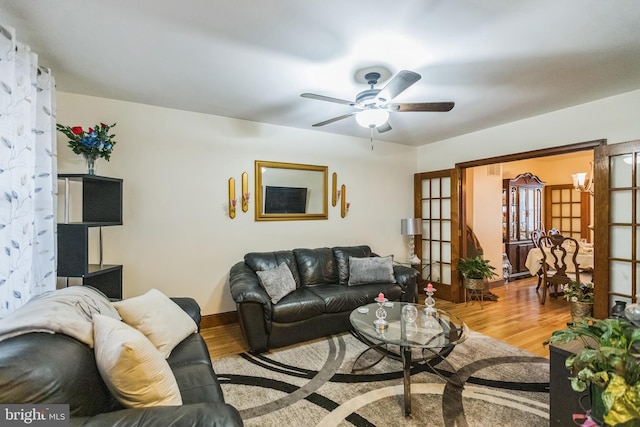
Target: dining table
534, 259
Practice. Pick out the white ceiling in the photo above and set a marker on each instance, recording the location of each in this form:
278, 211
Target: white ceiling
498, 60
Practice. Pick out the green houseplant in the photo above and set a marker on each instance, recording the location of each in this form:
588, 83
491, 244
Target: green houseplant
580, 296
609, 364
476, 271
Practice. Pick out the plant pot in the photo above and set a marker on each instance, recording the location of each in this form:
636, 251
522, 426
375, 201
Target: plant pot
474, 283
597, 404
581, 309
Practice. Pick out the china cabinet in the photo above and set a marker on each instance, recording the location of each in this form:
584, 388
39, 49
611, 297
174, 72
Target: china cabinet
521, 214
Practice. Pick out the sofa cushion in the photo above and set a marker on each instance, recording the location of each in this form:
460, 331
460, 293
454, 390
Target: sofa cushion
299, 305
340, 298
278, 282
132, 368
371, 270
316, 266
342, 254
260, 261
161, 320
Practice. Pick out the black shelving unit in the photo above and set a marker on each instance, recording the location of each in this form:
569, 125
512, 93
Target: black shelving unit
101, 207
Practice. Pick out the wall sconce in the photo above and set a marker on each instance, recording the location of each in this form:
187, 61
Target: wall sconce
580, 181
245, 192
344, 206
335, 193
411, 227
232, 198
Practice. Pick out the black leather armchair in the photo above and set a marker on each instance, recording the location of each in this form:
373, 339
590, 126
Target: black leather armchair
55, 368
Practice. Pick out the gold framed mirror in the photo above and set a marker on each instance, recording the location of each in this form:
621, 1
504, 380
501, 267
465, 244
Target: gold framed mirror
290, 191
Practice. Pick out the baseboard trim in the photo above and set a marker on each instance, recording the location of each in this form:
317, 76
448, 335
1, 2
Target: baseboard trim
220, 319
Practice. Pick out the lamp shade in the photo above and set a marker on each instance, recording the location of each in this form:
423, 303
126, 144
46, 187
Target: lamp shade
411, 226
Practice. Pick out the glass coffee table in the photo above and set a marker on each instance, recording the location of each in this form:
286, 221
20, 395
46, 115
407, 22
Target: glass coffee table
434, 332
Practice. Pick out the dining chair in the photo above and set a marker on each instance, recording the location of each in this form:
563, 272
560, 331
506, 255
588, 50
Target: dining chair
553, 231
543, 241
559, 263
536, 235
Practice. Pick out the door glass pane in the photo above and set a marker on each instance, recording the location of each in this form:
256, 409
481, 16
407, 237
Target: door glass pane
426, 211
620, 206
446, 187
446, 252
446, 274
426, 188
435, 209
435, 229
565, 225
575, 225
446, 208
426, 230
435, 251
426, 250
620, 246
566, 210
555, 196
566, 194
435, 187
555, 210
446, 231
620, 274
620, 171
575, 210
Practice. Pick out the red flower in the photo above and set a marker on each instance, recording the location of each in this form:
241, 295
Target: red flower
90, 130
77, 130
103, 125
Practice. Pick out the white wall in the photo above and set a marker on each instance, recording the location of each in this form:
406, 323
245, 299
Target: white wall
177, 236
614, 118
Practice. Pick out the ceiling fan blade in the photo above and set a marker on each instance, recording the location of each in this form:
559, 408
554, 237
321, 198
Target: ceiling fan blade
422, 106
335, 119
327, 98
386, 127
398, 84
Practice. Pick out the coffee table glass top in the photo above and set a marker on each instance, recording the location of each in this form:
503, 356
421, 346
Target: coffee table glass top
439, 329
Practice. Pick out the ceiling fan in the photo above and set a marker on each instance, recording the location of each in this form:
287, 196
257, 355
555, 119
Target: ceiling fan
374, 105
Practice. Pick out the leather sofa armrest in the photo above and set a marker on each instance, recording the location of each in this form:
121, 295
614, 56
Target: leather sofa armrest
197, 414
191, 307
245, 286
407, 278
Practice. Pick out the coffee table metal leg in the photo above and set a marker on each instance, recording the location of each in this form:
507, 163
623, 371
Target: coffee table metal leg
406, 366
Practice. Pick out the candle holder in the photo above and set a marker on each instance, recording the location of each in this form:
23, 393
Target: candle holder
381, 313
429, 301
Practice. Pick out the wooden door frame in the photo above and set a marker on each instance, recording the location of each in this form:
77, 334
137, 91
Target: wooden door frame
525, 155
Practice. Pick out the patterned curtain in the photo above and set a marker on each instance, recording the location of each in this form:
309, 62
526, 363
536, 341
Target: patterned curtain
28, 175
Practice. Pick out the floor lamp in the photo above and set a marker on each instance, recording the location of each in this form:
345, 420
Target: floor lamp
411, 227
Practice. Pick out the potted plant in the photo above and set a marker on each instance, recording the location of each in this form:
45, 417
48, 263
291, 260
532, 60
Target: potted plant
476, 271
580, 295
608, 364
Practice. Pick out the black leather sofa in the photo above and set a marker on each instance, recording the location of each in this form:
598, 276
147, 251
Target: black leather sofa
322, 301
40, 367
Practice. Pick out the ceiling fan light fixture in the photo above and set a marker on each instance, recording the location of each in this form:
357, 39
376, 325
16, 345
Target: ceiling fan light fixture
372, 118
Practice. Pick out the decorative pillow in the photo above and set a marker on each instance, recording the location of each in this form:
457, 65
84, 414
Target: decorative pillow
371, 270
278, 282
161, 320
132, 368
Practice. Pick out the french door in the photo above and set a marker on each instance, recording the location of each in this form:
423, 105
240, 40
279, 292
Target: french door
436, 203
616, 225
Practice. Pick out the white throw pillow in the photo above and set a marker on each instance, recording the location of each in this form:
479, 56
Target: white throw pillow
158, 318
370, 270
278, 282
132, 368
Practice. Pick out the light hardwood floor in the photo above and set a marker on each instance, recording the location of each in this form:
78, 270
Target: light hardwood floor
517, 318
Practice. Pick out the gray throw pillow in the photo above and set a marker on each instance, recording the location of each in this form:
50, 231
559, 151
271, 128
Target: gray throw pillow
371, 270
278, 282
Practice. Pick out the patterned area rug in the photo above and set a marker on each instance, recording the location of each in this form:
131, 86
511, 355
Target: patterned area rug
311, 384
